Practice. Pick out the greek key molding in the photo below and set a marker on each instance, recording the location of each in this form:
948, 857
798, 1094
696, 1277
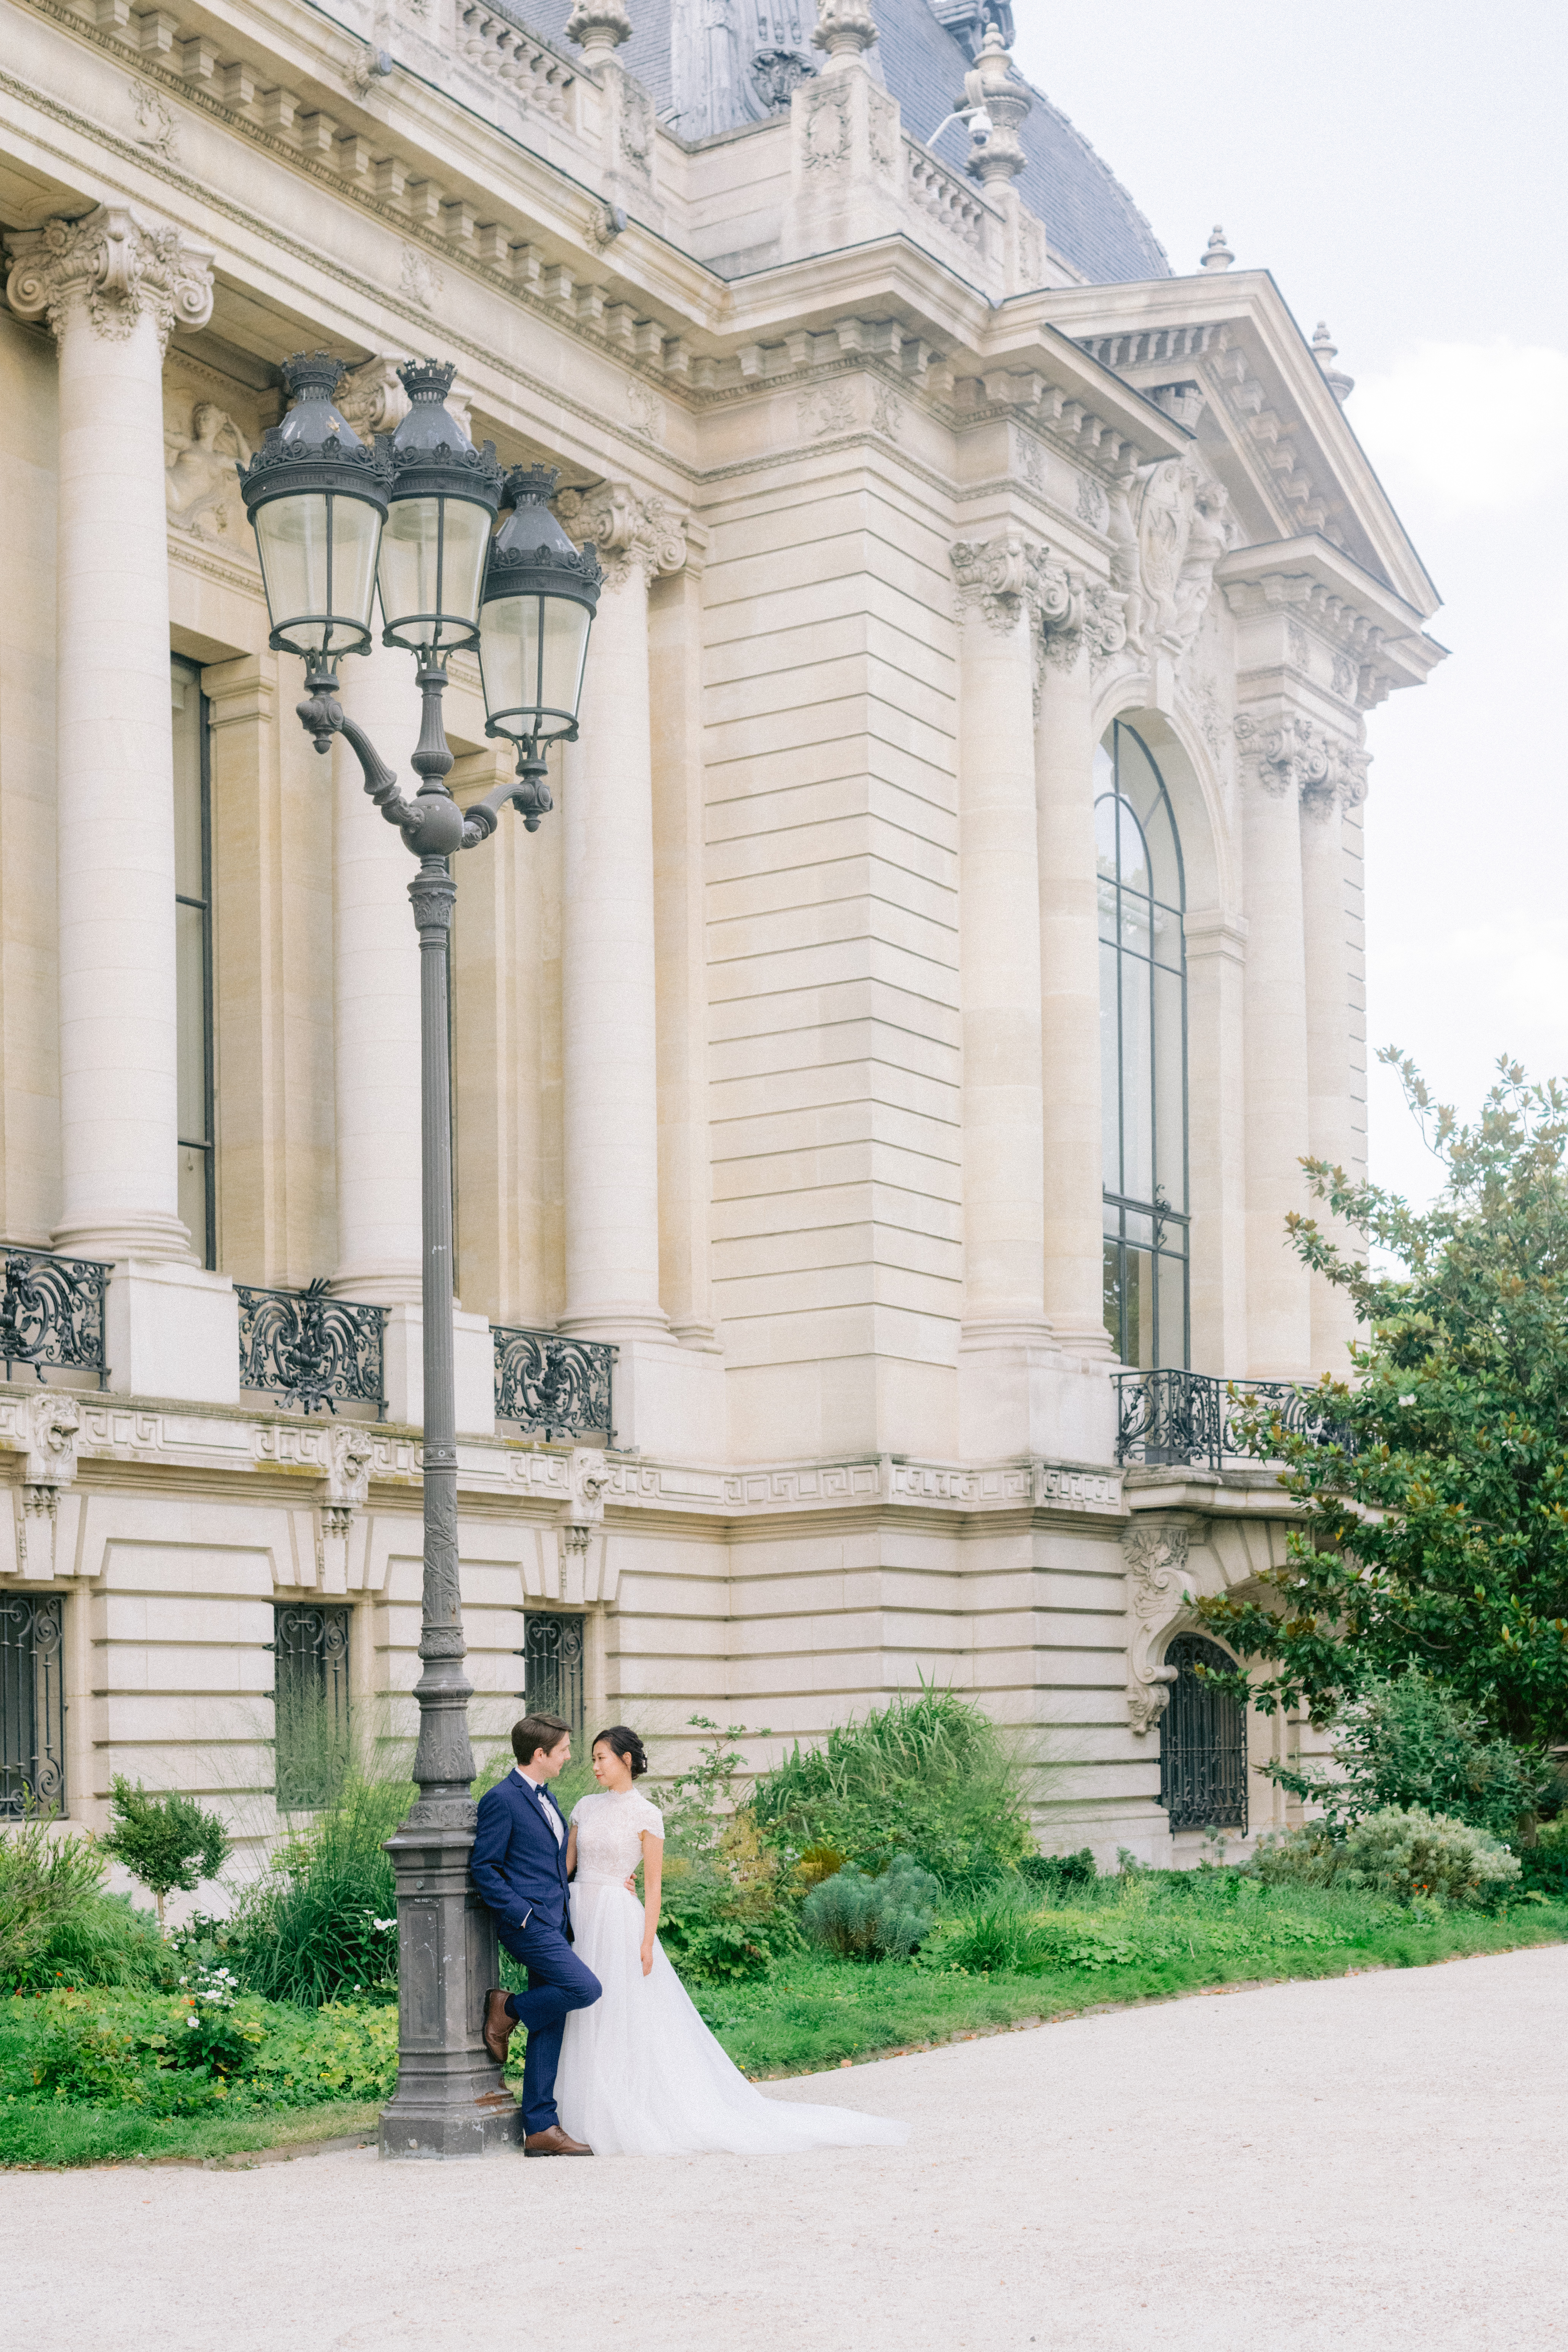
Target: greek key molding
118, 267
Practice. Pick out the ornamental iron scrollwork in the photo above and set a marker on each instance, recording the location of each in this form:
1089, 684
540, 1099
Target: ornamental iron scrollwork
1202, 1740
51, 1315
311, 1702
554, 1387
32, 1707
308, 1349
551, 1657
1194, 1417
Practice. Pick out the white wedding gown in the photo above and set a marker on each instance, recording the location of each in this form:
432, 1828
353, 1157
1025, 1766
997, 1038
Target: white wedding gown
640, 2075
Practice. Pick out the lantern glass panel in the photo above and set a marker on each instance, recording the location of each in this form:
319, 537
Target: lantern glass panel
432, 565
318, 555
531, 658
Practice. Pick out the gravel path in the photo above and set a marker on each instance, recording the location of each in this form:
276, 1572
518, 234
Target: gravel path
1368, 2161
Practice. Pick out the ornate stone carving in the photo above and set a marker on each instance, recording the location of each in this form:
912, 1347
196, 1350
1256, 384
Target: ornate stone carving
1160, 1593
200, 482
886, 411
1164, 522
419, 280
844, 29
155, 124
1104, 624
1093, 506
636, 126
54, 1435
1287, 752
372, 398
351, 1451
777, 74
993, 84
1208, 536
647, 410
829, 409
996, 577
627, 529
1297, 645
120, 266
598, 27
828, 132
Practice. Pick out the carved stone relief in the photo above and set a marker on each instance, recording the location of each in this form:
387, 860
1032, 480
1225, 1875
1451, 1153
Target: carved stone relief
829, 409
1160, 1593
1093, 506
628, 529
827, 128
201, 486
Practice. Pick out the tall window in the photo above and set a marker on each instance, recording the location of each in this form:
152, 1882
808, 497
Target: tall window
311, 1703
1143, 1053
1203, 1741
32, 1707
194, 959
552, 1669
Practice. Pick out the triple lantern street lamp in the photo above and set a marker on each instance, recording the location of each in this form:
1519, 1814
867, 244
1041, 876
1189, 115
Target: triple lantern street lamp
413, 517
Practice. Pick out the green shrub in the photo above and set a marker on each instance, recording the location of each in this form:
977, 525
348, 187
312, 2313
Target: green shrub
45, 1879
1406, 1853
862, 1918
322, 1924
1059, 1874
925, 1777
1001, 1939
1410, 1741
165, 1842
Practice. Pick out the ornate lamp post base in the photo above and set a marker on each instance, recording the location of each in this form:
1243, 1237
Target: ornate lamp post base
451, 2099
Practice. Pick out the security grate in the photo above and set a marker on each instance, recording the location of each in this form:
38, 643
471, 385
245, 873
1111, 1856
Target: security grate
1203, 1742
551, 1657
32, 1707
311, 1689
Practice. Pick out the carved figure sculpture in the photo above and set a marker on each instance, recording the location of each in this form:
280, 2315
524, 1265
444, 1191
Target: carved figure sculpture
199, 481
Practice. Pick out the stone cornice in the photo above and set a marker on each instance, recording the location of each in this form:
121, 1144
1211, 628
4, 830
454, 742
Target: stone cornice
1319, 588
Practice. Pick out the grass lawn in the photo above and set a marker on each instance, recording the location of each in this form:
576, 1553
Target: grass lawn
1147, 1938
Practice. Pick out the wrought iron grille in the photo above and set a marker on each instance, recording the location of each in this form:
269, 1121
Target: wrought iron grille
310, 1710
551, 1657
32, 1707
1203, 1742
51, 1315
554, 1387
307, 1349
1190, 1416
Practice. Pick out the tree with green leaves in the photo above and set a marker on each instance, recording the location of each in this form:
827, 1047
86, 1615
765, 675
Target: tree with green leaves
1433, 1531
164, 1842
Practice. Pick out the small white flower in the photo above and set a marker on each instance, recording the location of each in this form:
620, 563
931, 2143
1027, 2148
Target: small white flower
190, 2023
1407, 1400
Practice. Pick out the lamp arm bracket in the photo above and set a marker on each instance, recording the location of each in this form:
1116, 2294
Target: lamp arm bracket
322, 716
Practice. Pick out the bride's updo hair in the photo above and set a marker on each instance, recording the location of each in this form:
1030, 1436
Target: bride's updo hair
627, 1747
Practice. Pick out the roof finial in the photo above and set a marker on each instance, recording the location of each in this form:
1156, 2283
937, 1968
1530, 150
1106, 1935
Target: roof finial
1325, 351
999, 101
598, 27
1219, 255
844, 28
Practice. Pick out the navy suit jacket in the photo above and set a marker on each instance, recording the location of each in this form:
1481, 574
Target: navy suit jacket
516, 1863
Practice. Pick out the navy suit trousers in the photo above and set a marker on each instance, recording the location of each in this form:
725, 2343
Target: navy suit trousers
557, 1984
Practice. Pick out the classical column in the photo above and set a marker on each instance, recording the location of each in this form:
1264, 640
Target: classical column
1070, 996
112, 287
376, 1000
1278, 757
610, 1113
1004, 1338
1331, 1104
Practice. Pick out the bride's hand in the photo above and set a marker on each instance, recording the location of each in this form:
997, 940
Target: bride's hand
648, 1957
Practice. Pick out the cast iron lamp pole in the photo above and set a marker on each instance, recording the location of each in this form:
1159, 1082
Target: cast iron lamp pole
332, 519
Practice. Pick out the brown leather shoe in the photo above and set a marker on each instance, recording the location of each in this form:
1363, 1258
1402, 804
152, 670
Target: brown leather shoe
500, 2024
553, 2142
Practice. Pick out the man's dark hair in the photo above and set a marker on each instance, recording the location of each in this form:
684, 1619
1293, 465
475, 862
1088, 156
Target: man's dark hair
536, 1731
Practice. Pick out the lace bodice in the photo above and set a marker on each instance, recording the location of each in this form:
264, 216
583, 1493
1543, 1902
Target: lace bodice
609, 1827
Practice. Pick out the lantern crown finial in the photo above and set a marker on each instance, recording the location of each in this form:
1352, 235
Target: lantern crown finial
427, 382
313, 375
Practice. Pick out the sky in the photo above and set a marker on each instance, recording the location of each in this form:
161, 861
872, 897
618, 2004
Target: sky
1399, 168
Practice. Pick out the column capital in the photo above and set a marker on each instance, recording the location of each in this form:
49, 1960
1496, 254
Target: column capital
119, 265
1285, 752
627, 529
1002, 580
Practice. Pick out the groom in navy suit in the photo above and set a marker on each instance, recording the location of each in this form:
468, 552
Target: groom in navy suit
519, 1865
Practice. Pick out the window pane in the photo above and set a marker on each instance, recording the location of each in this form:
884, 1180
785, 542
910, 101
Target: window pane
190, 969
193, 1170
1170, 1166
190, 880
1172, 1274
1137, 1082
1139, 1280
1113, 1293
1109, 1071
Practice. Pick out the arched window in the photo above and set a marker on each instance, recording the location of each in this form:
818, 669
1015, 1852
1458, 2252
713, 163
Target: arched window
1203, 1742
1143, 1053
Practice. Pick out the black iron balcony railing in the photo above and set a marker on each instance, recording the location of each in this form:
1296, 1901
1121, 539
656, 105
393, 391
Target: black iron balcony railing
308, 1349
550, 1386
1191, 1417
51, 1315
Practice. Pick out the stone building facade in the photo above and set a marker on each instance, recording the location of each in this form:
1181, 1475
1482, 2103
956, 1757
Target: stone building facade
946, 945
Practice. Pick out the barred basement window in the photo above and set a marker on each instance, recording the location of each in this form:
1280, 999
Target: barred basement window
310, 1689
32, 1707
1203, 1742
551, 1657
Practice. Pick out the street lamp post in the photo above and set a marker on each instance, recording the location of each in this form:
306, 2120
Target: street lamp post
333, 520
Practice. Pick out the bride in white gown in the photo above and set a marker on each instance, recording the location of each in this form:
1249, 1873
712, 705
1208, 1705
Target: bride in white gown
640, 2075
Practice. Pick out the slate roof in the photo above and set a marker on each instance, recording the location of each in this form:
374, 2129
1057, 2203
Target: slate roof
1090, 217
